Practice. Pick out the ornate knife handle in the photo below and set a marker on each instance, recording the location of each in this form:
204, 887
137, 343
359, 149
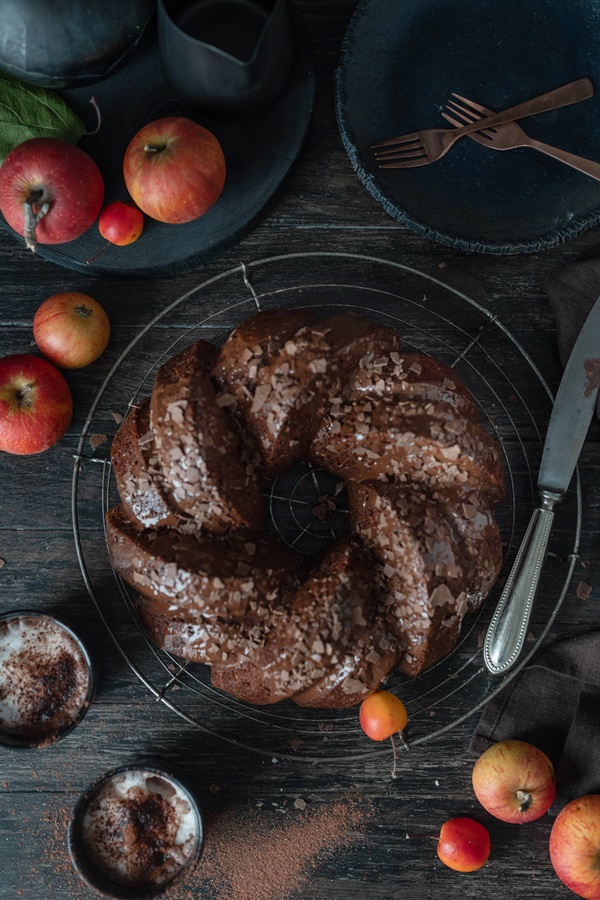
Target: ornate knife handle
506, 632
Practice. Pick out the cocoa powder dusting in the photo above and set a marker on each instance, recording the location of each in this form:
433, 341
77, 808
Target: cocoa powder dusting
53, 831
249, 857
43, 687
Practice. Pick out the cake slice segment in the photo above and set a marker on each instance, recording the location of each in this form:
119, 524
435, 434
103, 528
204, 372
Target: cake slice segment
212, 469
142, 488
219, 588
408, 440
324, 648
290, 381
412, 375
424, 592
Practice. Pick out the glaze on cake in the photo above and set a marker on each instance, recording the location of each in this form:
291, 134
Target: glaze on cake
422, 474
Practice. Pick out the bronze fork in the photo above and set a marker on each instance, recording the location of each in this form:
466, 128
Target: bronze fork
422, 147
510, 135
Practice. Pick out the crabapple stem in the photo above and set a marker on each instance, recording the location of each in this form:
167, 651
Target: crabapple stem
395, 755
96, 255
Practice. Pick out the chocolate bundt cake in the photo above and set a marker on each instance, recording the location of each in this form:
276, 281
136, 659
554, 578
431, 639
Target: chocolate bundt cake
422, 475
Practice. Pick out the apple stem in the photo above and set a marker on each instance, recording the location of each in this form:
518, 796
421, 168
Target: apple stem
154, 148
24, 396
32, 218
525, 800
98, 118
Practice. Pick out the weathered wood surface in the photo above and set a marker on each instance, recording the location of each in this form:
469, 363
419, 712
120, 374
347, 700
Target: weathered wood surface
324, 208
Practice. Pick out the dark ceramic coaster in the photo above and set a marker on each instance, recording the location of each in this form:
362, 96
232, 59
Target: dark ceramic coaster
400, 63
260, 151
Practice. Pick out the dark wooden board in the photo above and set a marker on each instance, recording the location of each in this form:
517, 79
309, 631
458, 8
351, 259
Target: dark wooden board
324, 207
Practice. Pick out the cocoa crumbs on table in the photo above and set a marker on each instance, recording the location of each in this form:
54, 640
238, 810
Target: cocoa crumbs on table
248, 856
96, 440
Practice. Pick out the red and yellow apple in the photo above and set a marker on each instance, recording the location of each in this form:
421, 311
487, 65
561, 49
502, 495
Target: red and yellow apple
464, 844
35, 404
174, 170
50, 191
71, 329
575, 846
514, 781
121, 223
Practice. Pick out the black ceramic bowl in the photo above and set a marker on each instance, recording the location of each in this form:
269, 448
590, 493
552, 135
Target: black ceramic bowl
55, 696
69, 43
83, 861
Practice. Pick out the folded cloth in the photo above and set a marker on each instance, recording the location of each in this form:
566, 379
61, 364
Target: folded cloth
554, 703
572, 292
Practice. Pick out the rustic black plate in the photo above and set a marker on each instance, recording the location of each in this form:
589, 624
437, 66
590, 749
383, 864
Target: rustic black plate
401, 61
260, 150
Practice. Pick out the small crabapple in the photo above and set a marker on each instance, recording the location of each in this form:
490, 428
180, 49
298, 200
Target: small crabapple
464, 844
381, 715
121, 223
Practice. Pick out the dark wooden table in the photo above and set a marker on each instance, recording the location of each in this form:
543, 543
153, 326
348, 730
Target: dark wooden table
391, 853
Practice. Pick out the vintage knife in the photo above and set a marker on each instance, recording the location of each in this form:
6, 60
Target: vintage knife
567, 430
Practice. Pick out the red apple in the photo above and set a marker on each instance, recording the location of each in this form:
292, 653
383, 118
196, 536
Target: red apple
71, 329
514, 781
50, 191
174, 170
121, 223
575, 846
464, 845
35, 404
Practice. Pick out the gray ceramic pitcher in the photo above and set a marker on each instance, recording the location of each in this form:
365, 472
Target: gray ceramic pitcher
226, 57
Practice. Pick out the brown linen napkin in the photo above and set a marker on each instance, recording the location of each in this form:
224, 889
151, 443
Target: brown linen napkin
572, 292
554, 703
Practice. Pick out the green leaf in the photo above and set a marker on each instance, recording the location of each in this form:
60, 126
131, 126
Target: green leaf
28, 111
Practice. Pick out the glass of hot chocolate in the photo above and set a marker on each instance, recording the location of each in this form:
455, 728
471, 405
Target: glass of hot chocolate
136, 832
46, 679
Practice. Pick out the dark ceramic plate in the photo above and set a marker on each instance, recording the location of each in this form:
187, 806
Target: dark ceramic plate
400, 63
260, 150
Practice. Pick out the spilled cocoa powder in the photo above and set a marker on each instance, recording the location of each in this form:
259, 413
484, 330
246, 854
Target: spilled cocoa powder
247, 856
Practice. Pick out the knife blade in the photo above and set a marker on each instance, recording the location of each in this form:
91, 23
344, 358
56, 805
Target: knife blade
568, 427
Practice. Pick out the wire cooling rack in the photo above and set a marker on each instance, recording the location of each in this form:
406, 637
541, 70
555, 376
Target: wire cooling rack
307, 506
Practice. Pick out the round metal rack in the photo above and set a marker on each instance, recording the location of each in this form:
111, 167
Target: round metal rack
306, 506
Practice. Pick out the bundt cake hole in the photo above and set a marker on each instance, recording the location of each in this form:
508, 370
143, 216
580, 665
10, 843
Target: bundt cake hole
307, 508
